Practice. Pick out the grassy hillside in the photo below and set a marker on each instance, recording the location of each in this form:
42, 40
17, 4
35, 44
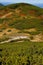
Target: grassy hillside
22, 17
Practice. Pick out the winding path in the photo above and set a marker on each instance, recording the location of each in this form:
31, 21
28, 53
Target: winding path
4, 16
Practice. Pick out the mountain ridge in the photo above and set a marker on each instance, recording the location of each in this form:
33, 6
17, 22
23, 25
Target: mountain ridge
8, 3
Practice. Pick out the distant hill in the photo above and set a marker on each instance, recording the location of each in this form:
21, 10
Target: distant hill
39, 5
6, 3
1, 4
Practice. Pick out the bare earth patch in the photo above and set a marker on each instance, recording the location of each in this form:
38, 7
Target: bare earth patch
30, 30
37, 38
9, 31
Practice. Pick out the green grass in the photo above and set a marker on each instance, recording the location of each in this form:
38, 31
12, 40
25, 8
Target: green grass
27, 24
21, 53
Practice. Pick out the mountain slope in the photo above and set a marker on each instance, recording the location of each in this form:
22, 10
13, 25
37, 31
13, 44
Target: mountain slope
22, 17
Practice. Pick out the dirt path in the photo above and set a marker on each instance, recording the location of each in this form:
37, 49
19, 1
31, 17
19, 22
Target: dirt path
37, 38
15, 38
4, 16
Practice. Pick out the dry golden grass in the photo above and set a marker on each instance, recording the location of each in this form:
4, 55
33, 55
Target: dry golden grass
6, 15
7, 32
30, 30
37, 38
